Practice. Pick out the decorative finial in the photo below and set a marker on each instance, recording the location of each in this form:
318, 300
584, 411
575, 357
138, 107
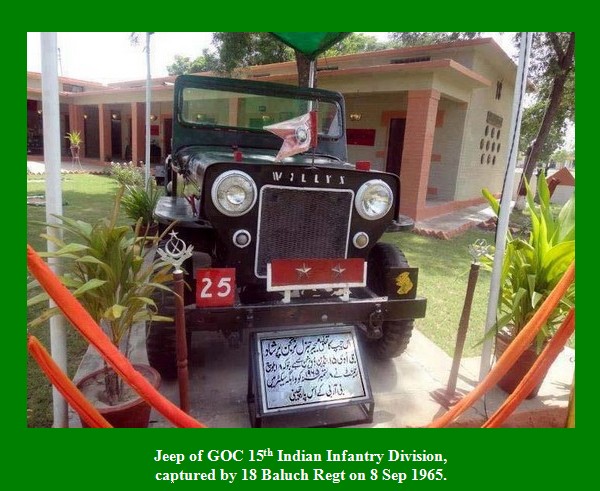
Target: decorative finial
175, 252
478, 249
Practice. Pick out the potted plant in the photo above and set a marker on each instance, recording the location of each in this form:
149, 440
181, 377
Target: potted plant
531, 268
75, 140
138, 199
114, 278
138, 204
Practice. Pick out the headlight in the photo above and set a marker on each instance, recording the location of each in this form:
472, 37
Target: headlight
374, 199
234, 193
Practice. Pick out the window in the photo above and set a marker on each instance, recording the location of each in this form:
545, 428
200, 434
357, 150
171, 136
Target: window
498, 90
72, 88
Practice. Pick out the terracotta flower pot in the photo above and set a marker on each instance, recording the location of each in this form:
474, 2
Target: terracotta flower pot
509, 382
134, 413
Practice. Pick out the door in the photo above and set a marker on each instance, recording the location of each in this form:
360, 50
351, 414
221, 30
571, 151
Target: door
168, 135
395, 145
115, 135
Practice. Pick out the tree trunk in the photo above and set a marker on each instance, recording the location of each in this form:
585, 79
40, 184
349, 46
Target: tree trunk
565, 64
303, 65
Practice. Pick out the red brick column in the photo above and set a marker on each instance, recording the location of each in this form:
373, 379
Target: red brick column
138, 138
104, 125
76, 124
416, 156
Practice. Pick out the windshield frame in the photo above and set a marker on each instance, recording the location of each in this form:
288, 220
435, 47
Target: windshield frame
257, 88
258, 110
193, 134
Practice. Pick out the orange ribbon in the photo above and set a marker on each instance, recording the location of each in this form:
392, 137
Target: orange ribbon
89, 329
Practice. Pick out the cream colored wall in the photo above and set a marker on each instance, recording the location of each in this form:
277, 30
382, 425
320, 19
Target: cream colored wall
378, 82
371, 108
447, 144
106, 97
472, 175
34, 83
464, 56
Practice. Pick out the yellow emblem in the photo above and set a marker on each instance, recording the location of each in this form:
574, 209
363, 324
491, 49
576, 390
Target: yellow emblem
403, 283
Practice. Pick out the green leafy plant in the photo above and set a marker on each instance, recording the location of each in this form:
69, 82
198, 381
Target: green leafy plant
532, 267
139, 201
127, 174
112, 275
74, 138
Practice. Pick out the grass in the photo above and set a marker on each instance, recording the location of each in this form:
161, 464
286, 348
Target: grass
444, 267
87, 197
443, 274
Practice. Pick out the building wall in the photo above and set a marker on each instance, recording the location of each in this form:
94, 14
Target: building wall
473, 175
463, 56
456, 170
447, 147
34, 83
371, 108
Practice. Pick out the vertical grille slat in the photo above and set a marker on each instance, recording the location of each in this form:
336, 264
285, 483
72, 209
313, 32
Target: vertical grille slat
298, 223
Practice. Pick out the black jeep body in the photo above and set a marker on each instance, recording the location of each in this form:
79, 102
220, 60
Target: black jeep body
242, 209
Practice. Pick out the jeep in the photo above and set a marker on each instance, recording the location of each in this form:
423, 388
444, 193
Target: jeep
279, 243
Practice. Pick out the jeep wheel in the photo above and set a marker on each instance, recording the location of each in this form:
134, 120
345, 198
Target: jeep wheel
161, 348
161, 338
396, 334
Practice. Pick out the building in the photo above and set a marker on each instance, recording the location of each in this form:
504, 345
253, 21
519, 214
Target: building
436, 115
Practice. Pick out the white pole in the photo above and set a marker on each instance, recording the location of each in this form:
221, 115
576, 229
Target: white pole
148, 109
502, 227
52, 141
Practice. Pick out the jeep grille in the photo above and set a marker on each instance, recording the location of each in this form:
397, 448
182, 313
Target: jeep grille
302, 223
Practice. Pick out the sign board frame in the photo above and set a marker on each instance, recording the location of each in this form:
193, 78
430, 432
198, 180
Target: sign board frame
339, 358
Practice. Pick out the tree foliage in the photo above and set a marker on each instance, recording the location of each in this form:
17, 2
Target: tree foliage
235, 50
530, 125
241, 49
404, 39
552, 70
543, 69
356, 42
183, 64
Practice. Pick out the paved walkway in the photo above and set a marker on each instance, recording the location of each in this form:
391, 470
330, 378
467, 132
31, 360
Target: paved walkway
451, 224
402, 387
35, 167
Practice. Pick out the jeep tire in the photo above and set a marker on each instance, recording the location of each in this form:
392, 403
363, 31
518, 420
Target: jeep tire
161, 341
396, 334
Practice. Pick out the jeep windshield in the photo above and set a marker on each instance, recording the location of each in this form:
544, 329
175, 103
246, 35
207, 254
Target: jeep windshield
247, 111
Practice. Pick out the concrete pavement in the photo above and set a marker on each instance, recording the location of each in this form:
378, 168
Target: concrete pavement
451, 224
67, 166
402, 388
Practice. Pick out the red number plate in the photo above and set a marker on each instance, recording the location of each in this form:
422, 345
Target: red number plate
297, 274
215, 287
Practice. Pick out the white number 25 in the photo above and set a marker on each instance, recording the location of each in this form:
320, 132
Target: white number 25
223, 287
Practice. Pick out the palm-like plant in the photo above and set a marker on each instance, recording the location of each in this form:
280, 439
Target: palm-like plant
112, 275
74, 138
139, 201
532, 267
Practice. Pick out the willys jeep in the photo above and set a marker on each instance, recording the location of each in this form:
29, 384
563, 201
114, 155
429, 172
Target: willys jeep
279, 243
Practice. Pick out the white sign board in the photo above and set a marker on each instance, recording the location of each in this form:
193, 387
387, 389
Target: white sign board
310, 368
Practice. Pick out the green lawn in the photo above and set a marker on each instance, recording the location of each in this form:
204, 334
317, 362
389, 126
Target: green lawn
444, 268
87, 197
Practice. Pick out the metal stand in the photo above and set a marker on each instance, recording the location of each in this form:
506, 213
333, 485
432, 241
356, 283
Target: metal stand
75, 160
181, 343
451, 395
176, 253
